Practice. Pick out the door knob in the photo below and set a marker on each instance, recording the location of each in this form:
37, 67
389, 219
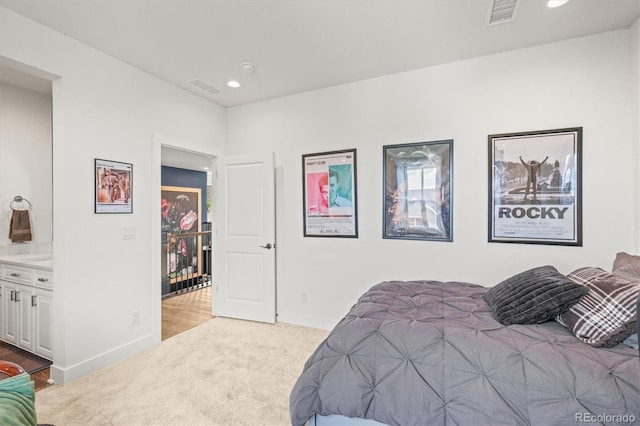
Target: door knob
268, 246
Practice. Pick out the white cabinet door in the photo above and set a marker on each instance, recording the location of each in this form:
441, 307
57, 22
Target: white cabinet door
10, 314
25, 315
43, 338
18, 315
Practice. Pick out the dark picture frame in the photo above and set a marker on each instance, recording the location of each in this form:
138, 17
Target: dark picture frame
329, 193
180, 222
113, 189
418, 191
535, 187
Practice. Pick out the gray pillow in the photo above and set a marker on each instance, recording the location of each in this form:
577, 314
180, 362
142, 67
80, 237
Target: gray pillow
627, 265
632, 341
533, 296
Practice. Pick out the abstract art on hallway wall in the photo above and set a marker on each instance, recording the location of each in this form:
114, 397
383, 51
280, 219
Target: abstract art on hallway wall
181, 223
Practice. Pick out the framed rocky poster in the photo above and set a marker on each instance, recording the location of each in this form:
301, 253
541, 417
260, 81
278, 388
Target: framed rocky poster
535, 181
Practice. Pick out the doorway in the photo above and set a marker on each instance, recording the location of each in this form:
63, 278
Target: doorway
186, 192
26, 183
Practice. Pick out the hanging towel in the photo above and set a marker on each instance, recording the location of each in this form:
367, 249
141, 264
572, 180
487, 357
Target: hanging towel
20, 226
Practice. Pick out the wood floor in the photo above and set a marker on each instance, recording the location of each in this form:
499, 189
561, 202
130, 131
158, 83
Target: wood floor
179, 313
185, 311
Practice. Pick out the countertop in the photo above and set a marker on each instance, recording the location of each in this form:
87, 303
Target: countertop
34, 260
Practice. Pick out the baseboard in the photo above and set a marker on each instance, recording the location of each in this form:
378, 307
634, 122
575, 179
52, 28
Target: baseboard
307, 320
60, 375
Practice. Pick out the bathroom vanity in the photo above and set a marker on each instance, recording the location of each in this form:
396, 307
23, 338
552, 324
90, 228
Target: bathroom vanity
26, 295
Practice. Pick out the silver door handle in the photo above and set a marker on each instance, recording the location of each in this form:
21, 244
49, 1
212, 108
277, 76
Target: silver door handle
268, 246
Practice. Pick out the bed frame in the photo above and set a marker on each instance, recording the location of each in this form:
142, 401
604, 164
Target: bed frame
337, 420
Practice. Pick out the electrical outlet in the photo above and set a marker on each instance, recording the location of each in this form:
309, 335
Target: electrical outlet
135, 317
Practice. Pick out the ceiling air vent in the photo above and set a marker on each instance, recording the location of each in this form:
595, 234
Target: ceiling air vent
502, 11
204, 86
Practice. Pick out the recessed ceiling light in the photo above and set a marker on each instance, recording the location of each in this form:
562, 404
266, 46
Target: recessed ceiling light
233, 83
556, 3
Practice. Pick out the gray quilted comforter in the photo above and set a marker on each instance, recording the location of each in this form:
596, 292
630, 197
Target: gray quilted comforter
429, 353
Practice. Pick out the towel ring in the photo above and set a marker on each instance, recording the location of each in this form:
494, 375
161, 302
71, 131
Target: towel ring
18, 200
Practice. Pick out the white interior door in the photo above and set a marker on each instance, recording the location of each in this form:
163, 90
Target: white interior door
244, 252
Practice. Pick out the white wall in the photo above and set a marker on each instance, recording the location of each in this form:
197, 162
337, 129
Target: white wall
25, 159
583, 82
104, 108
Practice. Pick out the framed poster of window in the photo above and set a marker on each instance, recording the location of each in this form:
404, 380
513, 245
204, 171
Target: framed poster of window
418, 182
181, 222
535, 181
329, 194
113, 187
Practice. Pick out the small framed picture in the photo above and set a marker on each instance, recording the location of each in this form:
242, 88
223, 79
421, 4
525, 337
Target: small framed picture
418, 182
535, 181
329, 194
113, 187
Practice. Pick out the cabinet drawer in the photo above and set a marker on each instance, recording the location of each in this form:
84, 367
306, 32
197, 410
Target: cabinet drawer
18, 274
43, 279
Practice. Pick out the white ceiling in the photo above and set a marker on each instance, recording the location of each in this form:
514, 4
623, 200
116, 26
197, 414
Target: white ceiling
302, 45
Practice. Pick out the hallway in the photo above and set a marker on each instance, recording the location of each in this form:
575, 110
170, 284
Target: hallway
185, 311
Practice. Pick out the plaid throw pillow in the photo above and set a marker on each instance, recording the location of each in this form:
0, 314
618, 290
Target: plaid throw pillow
607, 314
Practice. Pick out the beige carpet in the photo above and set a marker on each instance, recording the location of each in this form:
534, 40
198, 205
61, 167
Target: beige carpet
223, 372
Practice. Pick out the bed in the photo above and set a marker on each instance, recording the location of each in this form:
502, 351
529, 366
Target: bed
433, 353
